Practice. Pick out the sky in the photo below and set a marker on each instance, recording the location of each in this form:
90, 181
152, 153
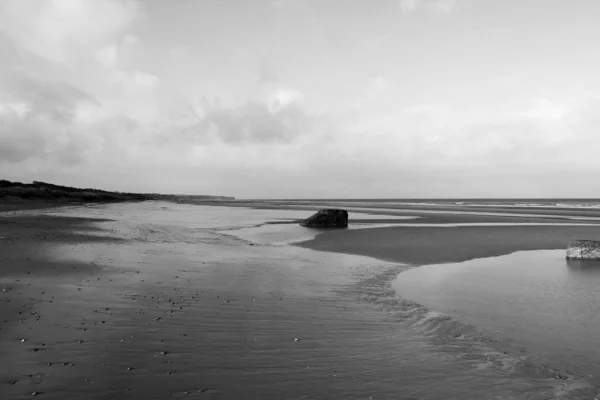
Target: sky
303, 99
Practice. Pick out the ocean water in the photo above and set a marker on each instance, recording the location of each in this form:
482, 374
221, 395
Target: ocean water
231, 313
536, 301
521, 203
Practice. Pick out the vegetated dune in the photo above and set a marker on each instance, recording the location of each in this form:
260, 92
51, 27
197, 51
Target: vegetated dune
42, 191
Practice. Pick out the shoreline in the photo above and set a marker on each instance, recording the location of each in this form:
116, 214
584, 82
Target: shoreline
378, 208
14, 205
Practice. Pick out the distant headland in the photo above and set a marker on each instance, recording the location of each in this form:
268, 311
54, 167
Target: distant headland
13, 192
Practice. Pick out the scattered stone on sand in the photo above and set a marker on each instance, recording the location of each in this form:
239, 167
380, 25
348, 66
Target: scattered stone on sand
584, 250
327, 218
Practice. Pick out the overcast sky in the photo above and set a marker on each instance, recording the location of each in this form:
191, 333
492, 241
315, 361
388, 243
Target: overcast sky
301, 99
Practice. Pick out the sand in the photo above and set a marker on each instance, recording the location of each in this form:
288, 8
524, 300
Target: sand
121, 306
12, 203
133, 311
434, 245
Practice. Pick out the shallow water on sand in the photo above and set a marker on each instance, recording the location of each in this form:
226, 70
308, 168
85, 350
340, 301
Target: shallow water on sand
537, 300
280, 234
392, 208
181, 310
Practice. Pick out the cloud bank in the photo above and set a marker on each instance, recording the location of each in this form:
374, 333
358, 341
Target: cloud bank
434, 6
88, 96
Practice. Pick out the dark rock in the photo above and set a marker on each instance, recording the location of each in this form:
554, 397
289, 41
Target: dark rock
584, 250
328, 218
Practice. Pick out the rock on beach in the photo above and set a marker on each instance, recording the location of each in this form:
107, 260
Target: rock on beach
584, 250
327, 218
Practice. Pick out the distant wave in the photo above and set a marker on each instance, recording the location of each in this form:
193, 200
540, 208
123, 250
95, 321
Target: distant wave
538, 203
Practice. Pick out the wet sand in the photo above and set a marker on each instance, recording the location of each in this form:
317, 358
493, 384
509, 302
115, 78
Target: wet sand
109, 302
436, 245
17, 204
97, 308
446, 233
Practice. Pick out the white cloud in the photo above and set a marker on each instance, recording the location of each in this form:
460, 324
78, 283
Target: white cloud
408, 5
145, 80
282, 98
86, 114
181, 51
60, 30
379, 84
545, 109
108, 103
49, 119
39, 124
130, 40
293, 5
434, 6
444, 6
108, 56
20, 109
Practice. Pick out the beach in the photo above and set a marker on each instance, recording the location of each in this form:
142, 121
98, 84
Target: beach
158, 300
299, 200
